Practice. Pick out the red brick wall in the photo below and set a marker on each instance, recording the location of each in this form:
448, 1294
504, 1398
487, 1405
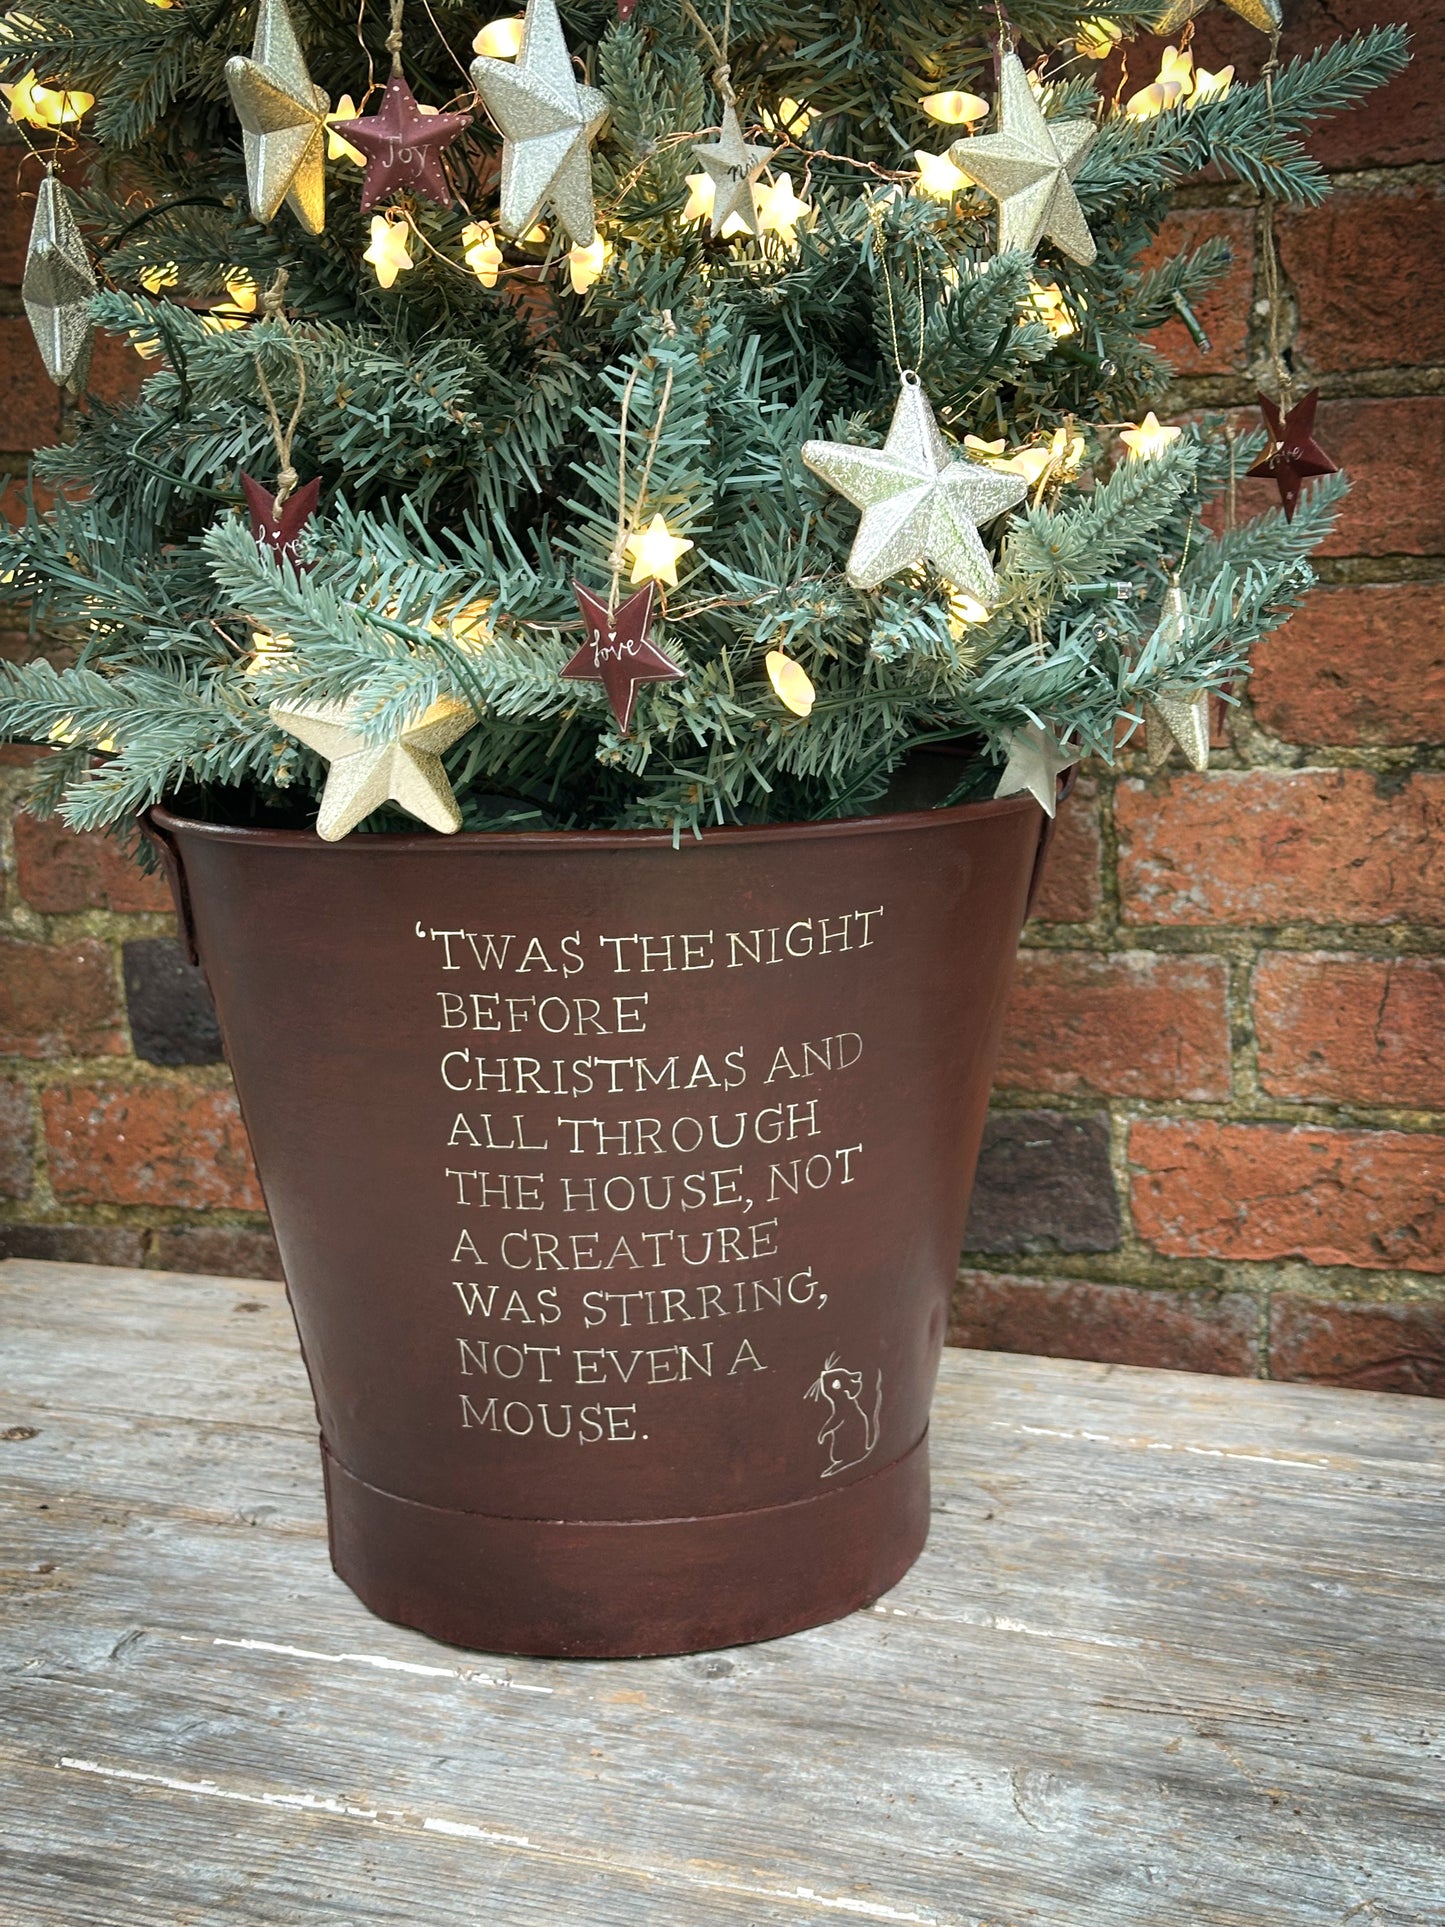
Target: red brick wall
1219, 1136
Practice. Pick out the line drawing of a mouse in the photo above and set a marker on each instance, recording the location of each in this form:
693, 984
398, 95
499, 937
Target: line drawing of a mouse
849, 1431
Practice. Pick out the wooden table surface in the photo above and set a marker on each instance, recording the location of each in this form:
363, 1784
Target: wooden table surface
1175, 1654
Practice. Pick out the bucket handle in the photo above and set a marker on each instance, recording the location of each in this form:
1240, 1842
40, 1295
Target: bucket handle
170, 857
1046, 837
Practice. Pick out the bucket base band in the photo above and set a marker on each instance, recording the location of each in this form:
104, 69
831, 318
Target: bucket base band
628, 1588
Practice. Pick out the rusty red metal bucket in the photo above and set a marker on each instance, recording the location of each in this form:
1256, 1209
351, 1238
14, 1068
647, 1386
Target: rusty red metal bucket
619, 1189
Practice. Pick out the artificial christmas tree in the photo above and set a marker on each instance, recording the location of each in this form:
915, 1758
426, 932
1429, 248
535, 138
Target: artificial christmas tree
709, 548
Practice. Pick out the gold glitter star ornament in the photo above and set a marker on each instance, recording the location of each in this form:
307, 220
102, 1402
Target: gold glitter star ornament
1266, 15
548, 122
1028, 166
57, 288
283, 121
733, 166
921, 502
406, 771
1036, 761
1176, 717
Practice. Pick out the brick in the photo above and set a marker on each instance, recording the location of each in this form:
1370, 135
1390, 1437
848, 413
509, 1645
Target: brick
116, 371
216, 1251
59, 870
1362, 1030
74, 1244
1394, 125
1070, 892
1375, 1199
1138, 1024
1375, 1348
164, 1144
17, 1140
29, 400
1261, 847
13, 498
1394, 452
172, 1018
1224, 310
1181, 1331
1044, 1183
1368, 268
17, 211
1357, 666
58, 1000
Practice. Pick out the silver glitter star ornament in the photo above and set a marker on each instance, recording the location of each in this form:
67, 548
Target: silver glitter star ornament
1176, 717
57, 288
1036, 761
406, 771
733, 166
1029, 167
920, 501
283, 121
548, 122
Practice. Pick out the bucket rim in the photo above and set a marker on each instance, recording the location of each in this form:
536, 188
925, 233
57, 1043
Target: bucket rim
901, 822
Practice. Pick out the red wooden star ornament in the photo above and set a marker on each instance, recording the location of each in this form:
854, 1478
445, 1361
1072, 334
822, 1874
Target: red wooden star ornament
279, 529
403, 146
1293, 455
617, 652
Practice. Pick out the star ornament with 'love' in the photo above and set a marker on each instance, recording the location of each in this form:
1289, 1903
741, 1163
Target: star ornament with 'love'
278, 526
1293, 456
617, 652
403, 146
283, 121
921, 502
733, 166
548, 123
1028, 166
363, 775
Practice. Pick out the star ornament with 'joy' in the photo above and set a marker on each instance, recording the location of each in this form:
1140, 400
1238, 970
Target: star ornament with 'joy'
406, 771
548, 123
1029, 167
402, 146
921, 502
283, 121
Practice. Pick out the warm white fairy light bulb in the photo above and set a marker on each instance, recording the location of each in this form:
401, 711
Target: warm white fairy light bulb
388, 253
654, 552
792, 685
500, 39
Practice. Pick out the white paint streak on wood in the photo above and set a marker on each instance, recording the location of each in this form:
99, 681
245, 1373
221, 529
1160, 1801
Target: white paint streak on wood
386, 1665
1295, 1460
208, 1790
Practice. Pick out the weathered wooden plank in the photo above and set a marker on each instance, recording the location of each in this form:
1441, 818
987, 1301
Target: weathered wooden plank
1172, 1656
